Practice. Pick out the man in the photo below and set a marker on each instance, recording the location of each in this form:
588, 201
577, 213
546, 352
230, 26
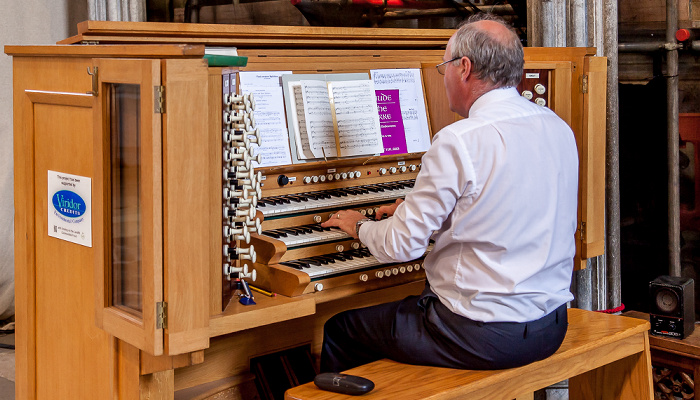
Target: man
497, 193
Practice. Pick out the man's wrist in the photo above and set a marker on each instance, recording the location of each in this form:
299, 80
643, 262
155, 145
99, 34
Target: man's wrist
359, 224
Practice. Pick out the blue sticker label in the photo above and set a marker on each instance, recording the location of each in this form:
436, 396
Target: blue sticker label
69, 204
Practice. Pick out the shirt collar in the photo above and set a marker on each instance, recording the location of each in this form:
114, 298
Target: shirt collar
493, 96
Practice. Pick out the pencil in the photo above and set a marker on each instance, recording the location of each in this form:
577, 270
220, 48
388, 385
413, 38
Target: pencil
265, 292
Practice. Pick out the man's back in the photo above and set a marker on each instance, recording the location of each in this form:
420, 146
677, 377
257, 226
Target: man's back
509, 243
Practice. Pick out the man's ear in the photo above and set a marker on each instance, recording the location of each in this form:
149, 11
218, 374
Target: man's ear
465, 66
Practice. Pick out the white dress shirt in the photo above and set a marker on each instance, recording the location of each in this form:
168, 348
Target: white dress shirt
498, 193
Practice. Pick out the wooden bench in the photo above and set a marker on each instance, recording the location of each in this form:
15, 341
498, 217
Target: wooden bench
604, 357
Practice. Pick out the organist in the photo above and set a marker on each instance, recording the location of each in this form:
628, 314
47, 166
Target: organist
497, 193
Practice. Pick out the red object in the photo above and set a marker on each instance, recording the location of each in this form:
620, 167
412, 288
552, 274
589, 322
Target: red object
295, 2
614, 310
682, 35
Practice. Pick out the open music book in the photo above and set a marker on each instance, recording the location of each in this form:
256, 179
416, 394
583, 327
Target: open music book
333, 115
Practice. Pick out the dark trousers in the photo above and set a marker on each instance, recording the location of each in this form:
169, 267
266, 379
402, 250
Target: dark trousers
421, 330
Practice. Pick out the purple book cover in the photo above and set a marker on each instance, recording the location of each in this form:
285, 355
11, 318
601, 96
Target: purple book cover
390, 122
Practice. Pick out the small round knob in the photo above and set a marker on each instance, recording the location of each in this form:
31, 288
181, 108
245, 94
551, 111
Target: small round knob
392, 170
282, 180
318, 287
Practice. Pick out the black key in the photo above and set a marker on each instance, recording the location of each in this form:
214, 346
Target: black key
271, 234
292, 265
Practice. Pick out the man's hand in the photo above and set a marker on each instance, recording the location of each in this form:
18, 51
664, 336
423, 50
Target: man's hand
345, 220
388, 210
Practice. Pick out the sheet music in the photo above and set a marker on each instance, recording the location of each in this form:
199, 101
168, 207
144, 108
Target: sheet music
391, 122
299, 121
415, 117
319, 118
269, 115
355, 105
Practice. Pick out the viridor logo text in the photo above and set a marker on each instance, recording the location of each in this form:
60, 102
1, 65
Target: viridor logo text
68, 203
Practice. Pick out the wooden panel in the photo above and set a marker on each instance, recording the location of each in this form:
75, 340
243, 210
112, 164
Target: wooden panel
268, 310
258, 35
127, 380
58, 86
186, 228
215, 159
142, 51
157, 386
68, 345
592, 160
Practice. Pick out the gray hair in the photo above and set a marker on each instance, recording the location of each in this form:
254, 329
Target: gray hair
495, 60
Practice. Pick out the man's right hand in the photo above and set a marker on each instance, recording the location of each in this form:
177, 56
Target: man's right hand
388, 210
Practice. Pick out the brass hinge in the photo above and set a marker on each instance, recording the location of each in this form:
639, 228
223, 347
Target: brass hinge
95, 81
584, 84
159, 97
582, 231
161, 315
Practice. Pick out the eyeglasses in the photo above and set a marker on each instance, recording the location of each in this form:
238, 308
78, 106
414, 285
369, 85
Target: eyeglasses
443, 65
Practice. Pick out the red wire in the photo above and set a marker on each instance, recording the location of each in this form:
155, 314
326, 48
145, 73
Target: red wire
614, 310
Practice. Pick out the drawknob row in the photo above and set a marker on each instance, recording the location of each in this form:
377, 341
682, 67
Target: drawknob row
241, 188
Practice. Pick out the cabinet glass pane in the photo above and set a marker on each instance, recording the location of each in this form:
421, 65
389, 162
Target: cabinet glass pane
125, 140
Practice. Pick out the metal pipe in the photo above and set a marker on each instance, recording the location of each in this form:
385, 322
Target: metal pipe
641, 47
534, 23
674, 225
612, 159
576, 21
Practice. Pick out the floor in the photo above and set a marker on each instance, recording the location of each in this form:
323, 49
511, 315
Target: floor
7, 363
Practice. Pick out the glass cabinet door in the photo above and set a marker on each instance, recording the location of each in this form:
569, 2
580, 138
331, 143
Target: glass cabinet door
128, 199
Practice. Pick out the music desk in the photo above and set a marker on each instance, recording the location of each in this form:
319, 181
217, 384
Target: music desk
675, 363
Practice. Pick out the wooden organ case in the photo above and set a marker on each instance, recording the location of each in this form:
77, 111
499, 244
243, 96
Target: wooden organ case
150, 309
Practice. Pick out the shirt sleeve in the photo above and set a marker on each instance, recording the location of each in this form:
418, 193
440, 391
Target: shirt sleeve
446, 175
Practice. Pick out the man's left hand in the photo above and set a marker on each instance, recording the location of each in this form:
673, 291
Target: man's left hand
345, 220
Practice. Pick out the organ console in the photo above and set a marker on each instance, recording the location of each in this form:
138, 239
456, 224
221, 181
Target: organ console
186, 214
